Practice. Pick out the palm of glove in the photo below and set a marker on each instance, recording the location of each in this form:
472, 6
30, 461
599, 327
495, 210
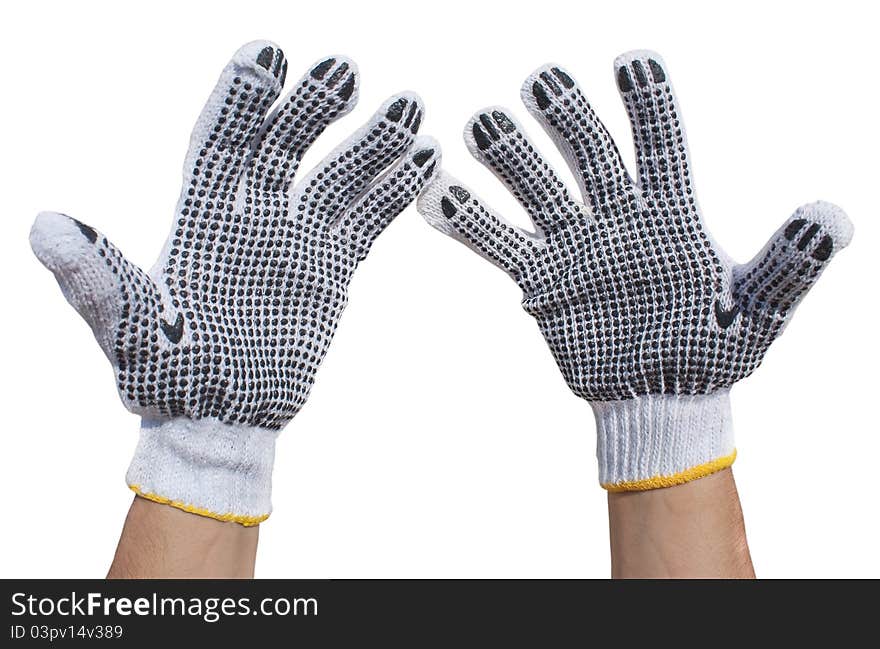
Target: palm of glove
631, 293
235, 317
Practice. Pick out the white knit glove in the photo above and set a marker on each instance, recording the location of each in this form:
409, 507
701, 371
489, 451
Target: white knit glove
217, 346
648, 319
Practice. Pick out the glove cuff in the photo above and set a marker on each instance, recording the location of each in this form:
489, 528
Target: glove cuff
205, 467
655, 441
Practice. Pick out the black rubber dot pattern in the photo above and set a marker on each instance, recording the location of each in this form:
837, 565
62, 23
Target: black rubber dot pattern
631, 295
237, 319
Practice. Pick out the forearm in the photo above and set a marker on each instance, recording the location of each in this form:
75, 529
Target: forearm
158, 541
694, 530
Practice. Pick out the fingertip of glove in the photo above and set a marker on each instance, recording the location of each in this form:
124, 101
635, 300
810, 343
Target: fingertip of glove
831, 218
331, 64
546, 81
426, 154
264, 58
404, 107
487, 126
430, 202
628, 57
557, 71
639, 69
338, 73
54, 235
426, 141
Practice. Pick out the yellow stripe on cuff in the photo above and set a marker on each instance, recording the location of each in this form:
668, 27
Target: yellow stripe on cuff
662, 481
247, 521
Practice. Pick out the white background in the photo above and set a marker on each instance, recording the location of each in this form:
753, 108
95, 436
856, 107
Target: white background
440, 439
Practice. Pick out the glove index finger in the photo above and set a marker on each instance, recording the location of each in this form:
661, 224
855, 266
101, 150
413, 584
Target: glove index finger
223, 136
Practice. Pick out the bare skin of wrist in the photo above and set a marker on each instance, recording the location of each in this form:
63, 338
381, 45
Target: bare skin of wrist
159, 541
694, 530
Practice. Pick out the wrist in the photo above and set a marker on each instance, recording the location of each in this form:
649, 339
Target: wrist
655, 441
205, 467
694, 530
193, 547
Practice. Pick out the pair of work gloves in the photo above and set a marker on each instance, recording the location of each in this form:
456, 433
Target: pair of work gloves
216, 347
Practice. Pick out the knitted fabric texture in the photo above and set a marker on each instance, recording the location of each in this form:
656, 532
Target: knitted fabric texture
641, 308
217, 346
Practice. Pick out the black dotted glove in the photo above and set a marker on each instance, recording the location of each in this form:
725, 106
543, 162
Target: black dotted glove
648, 319
217, 346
